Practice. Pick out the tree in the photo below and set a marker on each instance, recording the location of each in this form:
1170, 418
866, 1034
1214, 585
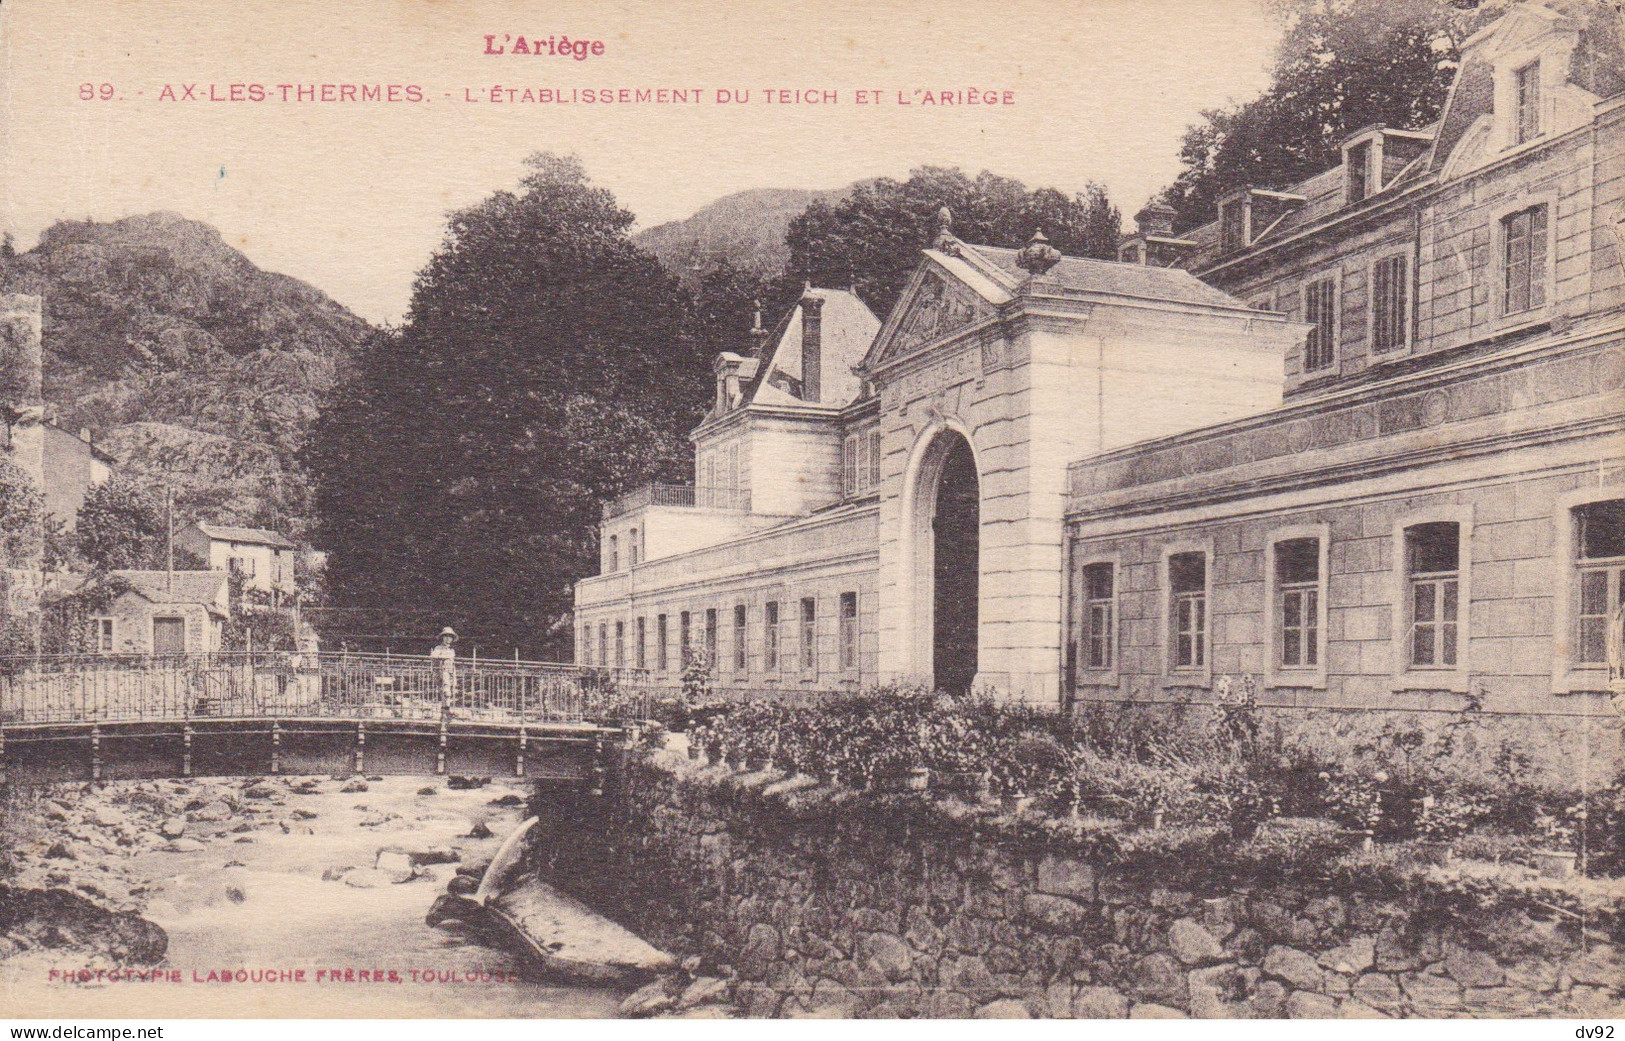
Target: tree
122, 525
871, 240
22, 516
1341, 65
544, 366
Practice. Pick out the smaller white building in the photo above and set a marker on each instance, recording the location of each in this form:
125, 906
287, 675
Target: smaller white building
264, 558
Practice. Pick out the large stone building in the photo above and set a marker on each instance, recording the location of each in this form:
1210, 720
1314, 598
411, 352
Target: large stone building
1360, 439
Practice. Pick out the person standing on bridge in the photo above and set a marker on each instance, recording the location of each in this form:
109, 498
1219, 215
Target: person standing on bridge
445, 655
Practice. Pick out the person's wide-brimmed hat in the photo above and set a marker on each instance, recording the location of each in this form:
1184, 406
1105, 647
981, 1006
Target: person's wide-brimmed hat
449, 631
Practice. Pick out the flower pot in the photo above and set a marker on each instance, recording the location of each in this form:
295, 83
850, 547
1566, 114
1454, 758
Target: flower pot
1555, 863
917, 779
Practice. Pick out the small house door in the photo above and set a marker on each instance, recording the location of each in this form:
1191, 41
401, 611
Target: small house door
169, 636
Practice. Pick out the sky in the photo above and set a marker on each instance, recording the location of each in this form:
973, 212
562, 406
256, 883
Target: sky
352, 195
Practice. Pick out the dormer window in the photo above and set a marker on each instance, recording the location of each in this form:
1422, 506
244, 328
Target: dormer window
1357, 165
1526, 86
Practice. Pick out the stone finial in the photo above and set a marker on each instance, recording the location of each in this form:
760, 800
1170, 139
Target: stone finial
944, 233
1038, 256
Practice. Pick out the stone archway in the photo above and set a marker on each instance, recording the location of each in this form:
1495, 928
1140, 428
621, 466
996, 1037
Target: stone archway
943, 511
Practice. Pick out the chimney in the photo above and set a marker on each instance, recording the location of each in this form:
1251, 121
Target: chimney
812, 345
1156, 219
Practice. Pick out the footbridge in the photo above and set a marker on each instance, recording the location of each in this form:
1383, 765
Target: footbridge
139, 717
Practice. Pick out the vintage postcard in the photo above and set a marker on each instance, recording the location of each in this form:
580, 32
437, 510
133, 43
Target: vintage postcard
767, 509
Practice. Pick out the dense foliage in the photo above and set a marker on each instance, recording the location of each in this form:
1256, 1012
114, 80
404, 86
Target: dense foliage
871, 240
189, 363
22, 511
545, 366
1466, 783
1340, 66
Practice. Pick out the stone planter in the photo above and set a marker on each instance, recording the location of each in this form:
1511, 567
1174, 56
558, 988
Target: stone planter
1555, 863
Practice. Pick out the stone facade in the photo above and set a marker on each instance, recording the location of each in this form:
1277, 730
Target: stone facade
819, 904
1414, 356
1467, 385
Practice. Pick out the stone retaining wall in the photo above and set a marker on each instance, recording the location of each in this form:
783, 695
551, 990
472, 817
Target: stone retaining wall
840, 904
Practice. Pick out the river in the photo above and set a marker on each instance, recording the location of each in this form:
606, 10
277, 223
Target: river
263, 905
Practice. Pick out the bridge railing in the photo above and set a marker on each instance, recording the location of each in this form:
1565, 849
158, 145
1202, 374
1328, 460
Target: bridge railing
129, 688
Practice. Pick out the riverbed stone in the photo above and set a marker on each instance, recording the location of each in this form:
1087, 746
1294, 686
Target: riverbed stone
1305, 1004
185, 845
212, 811
1004, 1008
173, 828
1192, 944
889, 955
1293, 966
1099, 1003
706, 990
1152, 1010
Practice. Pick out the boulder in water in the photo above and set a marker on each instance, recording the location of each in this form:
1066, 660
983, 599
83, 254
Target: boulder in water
648, 1000
173, 828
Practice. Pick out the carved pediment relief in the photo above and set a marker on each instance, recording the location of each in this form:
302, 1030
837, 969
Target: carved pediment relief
937, 309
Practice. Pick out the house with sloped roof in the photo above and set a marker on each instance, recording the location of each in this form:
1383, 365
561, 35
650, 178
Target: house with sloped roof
144, 612
264, 558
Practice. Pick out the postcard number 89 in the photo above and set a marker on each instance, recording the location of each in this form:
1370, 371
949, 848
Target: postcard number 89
96, 92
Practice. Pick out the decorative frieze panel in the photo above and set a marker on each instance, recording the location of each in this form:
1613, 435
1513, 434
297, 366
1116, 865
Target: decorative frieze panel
937, 310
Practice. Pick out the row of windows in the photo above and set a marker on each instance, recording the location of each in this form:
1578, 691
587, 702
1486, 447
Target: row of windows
1523, 277
607, 645
612, 551
1433, 618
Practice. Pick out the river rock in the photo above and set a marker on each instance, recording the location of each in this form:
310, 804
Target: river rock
570, 940
509, 800
434, 855
107, 817
428, 789
458, 783
707, 990
61, 851
463, 885
394, 861
480, 830
31, 918
259, 791
184, 846
304, 815
371, 878
648, 1001
173, 828
356, 785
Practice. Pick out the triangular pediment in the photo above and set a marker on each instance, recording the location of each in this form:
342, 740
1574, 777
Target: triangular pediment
935, 305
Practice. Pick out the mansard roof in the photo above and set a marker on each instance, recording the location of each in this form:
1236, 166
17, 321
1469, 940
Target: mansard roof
846, 328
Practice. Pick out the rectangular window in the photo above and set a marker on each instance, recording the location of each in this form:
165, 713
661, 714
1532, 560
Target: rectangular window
711, 635
849, 465
614, 555
1232, 227
874, 458
1524, 260
770, 637
685, 639
1358, 171
1297, 603
1320, 311
102, 632
1433, 577
863, 461
1528, 101
662, 644
1187, 586
1600, 536
1390, 290
1099, 623
739, 637
643, 643
603, 644
586, 645
849, 631
809, 634
620, 645
632, 548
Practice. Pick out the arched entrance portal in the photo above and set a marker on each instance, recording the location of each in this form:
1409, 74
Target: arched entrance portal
955, 568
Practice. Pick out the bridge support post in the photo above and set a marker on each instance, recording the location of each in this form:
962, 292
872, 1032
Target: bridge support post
519, 759
95, 753
598, 764
440, 754
186, 750
361, 748
276, 747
